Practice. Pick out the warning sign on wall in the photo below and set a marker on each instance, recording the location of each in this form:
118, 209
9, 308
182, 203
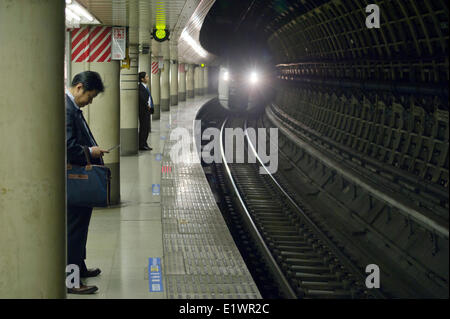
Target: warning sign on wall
91, 44
119, 40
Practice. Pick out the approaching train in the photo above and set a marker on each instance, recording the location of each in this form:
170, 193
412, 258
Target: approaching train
244, 89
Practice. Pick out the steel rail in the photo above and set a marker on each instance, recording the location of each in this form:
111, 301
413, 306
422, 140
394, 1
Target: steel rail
342, 258
272, 264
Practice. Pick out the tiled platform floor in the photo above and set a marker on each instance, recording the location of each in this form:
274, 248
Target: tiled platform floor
182, 226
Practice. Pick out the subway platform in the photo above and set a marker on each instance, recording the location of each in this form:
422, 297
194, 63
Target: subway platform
167, 211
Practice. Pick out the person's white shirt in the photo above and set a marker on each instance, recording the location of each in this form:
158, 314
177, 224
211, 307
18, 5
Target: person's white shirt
149, 102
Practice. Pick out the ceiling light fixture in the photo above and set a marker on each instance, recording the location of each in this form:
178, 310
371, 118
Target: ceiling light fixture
71, 15
77, 14
81, 11
197, 48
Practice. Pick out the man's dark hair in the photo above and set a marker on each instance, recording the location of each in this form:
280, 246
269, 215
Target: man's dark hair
142, 76
91, 81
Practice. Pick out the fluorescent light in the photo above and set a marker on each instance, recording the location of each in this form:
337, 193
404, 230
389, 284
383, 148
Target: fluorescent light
71, 15
226, 75
197, 48
81, 11
76, 15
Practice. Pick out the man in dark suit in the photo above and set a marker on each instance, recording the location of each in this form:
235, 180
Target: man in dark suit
81, 143
145, 109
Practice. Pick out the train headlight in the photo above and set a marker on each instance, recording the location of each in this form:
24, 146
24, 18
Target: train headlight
253, 78
226, 75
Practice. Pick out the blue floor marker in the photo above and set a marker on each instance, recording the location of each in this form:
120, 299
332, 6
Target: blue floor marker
158, 157
162, 137
156, 189
155, 274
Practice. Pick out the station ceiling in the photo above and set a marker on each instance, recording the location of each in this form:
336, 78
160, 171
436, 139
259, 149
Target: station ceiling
142, 15
293, 31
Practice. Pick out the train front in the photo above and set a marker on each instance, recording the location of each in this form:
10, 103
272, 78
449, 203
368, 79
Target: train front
243, 90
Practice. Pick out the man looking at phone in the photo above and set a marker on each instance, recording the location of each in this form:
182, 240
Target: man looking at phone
81, 143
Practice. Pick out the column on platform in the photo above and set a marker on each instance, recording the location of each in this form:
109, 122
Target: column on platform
182, 82
155, 81
173, 75
144, 58
196, 80
190, 81
32, 144
129, 98
165, 71
104, 120
205, 80
201, 83
144, 37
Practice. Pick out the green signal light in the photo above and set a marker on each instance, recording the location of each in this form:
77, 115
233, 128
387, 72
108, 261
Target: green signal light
160, 34
202, 65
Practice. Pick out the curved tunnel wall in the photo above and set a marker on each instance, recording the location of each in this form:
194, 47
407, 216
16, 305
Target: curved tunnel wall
381, 94
393, 78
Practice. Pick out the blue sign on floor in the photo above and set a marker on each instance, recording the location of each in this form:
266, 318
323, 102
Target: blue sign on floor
156, 189
162, 137
158, 157
155, 274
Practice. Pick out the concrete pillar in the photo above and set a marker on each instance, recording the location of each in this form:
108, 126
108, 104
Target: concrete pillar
104, 120
197, 81
205, 80
32, 150
190, 81
201, 80
144, 37
174, 75
182, 82
165, 98
129, 105
144, 63
129, 95
155, 82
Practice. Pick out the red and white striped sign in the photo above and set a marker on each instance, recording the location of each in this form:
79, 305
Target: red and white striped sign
155, 67
91, 44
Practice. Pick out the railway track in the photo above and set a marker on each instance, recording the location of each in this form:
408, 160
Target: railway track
303, 258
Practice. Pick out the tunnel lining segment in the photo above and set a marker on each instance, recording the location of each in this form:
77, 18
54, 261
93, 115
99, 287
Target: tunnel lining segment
430, 222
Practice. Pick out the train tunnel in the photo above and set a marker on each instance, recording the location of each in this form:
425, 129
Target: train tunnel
294, 149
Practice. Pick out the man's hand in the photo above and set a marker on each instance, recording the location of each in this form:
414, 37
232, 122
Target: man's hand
97, 152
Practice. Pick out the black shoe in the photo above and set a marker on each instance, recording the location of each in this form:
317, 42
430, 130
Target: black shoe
94, 272
144, 148
83, 290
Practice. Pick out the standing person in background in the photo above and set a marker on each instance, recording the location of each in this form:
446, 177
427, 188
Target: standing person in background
81, 143
145, 109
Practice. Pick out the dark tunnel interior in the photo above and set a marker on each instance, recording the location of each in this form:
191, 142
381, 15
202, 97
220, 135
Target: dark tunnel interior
377, 97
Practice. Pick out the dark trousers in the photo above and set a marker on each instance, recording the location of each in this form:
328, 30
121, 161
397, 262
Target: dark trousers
144, 129
78, 219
